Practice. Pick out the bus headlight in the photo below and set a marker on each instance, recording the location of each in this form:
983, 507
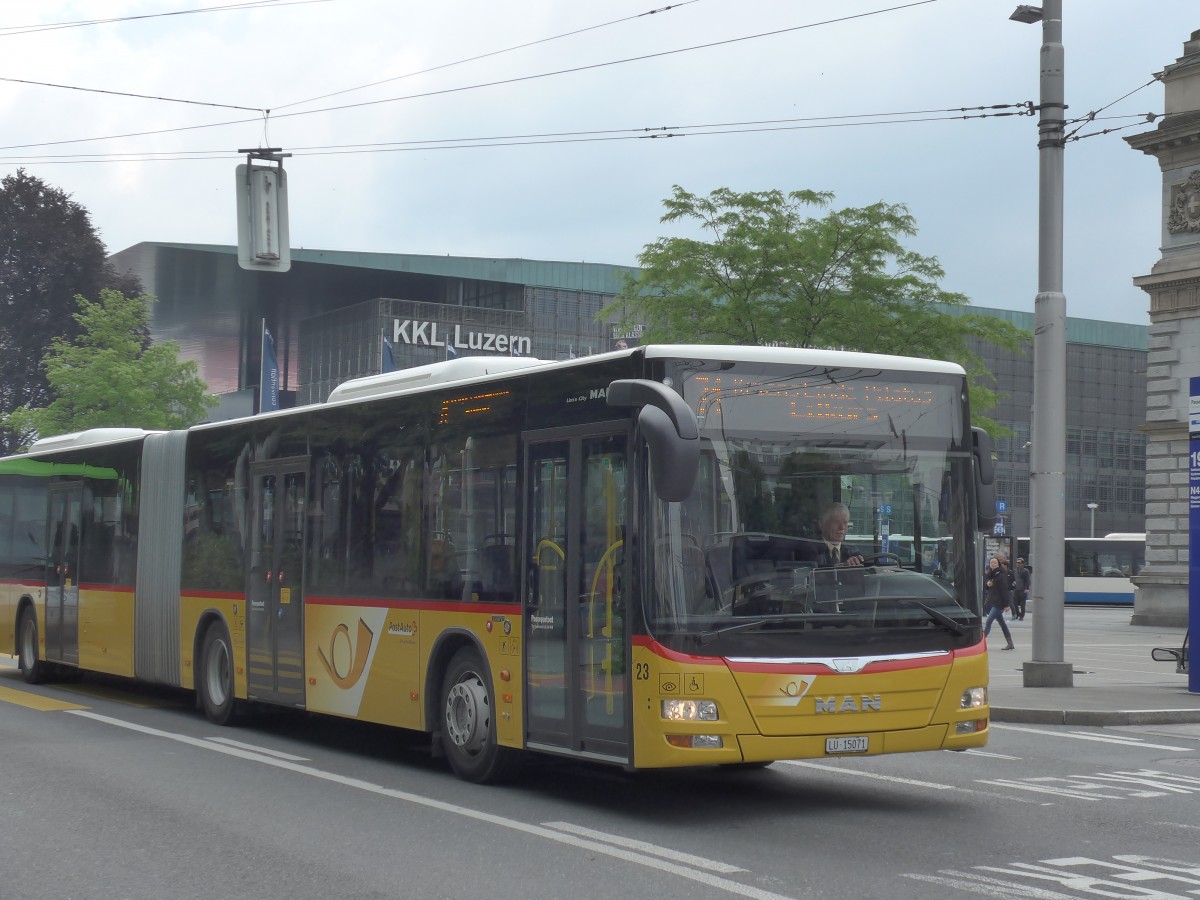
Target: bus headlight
690, 710
973, 698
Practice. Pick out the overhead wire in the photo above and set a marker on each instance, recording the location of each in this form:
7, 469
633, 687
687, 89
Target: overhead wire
477, 86
615, 62
469, 59
71, 87
458, 143
266, 111
1082, 121
616, 134
11, 30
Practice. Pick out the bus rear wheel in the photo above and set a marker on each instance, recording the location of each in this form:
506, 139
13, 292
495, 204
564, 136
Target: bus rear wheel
216, 675
33, 670
468, 728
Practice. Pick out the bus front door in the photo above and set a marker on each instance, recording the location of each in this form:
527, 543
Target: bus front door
577, 686
275, 614
62, 573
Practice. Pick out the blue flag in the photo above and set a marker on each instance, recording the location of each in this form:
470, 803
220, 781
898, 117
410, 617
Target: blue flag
388, 362
268, 390
451, 353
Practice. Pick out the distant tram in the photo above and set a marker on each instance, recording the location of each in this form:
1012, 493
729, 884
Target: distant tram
1097, 571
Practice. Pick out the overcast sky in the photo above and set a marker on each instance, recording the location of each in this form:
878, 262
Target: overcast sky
556, 171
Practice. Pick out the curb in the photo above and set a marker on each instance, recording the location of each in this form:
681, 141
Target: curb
1095, 717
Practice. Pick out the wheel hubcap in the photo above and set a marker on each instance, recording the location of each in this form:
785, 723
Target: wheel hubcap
217, 671
468, 716
28, 650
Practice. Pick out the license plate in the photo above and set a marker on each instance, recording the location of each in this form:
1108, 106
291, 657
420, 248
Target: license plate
856, 744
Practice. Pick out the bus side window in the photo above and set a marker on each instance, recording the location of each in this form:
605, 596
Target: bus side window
496, 572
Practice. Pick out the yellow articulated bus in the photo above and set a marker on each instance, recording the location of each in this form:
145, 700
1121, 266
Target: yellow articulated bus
623, 558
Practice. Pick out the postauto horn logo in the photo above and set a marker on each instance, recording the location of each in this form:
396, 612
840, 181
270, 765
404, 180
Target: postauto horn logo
347, 659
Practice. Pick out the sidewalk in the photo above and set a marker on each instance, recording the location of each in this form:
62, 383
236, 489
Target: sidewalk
1115, 680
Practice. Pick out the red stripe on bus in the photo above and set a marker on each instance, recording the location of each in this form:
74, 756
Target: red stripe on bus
658, 649
510, 609
889, 665
214, 595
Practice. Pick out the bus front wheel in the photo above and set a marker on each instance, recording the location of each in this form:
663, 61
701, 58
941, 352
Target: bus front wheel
33, 670
216, 675
468, 728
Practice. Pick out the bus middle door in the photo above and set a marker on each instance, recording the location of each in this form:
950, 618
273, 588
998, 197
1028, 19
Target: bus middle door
575, 599
275, 592
62, 573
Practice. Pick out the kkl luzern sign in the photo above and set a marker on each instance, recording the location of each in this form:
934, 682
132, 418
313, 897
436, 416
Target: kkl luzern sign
428, 334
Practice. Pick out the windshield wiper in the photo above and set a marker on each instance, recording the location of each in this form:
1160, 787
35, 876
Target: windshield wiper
935, 615
707, 637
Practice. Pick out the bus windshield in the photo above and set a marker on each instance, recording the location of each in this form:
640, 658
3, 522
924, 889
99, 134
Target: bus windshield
748, 565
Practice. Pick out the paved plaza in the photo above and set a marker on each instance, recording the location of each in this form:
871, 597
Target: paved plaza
1115, 680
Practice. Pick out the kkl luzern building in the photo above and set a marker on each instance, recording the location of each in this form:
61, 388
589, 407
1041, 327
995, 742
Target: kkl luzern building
335, 315
330, 314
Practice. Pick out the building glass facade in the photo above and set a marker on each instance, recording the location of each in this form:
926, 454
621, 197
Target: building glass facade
332, 311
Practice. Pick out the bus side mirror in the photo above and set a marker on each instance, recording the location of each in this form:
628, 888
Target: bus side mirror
670, 430
985, 480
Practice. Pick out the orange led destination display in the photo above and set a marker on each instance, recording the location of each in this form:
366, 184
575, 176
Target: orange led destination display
816, 400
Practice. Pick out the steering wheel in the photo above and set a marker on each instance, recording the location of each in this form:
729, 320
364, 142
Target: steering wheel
875, 558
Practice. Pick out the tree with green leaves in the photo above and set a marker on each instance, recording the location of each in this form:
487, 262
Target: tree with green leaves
49, 252
109, 376
771, 273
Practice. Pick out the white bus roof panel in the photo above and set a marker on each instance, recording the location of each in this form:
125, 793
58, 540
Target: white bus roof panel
810, 356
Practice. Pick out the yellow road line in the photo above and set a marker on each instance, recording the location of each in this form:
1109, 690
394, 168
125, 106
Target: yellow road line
36, 701
117, 695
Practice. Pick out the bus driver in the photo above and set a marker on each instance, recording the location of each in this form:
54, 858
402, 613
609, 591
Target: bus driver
832, 550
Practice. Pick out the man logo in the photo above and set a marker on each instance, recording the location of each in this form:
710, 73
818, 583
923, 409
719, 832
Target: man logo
347, 660
849, 704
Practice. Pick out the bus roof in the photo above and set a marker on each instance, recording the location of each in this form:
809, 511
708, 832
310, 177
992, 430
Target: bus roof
475, 367
846, 359
466, 367
470, 368
88, 438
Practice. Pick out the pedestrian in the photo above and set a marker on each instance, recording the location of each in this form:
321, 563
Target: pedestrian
997, 584
1022, 576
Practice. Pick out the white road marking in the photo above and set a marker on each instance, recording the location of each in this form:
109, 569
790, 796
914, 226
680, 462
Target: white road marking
653, 849
892, 778
278, 754
1123, 875
971, 883
1043, 789
1142, 784
1082, 736
662, 865
1178, 825
990, 754
897, 780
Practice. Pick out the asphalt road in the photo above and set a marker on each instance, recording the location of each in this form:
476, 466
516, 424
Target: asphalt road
131, 793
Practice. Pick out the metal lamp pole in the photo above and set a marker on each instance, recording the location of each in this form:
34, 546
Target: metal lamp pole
1049, 457
1092, 507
